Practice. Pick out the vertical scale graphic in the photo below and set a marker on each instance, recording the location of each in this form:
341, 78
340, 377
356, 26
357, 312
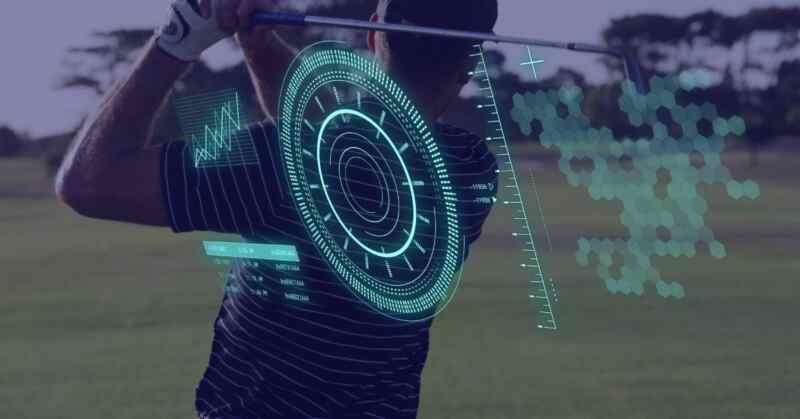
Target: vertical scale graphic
213, 123
511, 196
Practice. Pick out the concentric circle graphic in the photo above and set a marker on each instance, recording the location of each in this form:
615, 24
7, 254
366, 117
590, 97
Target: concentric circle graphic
369, 182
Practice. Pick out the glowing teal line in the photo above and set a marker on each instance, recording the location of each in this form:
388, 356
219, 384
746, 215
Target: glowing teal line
383, 118
221, 136
336, 93
408, 263
386, 261
523, 210
322, 108
541, 211
405, 171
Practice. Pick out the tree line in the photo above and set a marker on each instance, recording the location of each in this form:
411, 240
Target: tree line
664, 44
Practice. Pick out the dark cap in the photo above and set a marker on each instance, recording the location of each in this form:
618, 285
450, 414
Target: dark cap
423, 55
466, 15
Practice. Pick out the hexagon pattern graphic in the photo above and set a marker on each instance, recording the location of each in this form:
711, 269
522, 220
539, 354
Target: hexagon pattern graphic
656, 178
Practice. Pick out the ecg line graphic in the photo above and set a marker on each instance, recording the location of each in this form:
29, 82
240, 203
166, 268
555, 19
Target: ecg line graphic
213, 123
218, 136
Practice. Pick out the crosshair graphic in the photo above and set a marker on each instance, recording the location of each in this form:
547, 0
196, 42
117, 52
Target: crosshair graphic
532, 62
369, 182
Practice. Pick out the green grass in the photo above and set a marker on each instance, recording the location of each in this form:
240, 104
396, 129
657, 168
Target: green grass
106, 320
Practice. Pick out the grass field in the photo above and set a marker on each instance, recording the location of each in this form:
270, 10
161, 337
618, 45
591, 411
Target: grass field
103, 320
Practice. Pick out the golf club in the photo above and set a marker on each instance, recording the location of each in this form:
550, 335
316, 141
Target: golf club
631, 64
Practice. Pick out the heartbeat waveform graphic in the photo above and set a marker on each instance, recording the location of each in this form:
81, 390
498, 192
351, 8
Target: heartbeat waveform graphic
218, 136
213, 124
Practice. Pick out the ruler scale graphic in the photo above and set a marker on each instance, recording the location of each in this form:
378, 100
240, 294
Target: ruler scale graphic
532, 265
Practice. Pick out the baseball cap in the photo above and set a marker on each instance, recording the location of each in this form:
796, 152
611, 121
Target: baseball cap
425, 55
467, 15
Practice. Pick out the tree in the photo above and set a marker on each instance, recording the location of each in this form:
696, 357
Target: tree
666, 44
785, 95
10, 142
97, 67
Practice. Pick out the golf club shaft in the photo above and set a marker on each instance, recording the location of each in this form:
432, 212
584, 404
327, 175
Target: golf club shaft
263, 18
631, 64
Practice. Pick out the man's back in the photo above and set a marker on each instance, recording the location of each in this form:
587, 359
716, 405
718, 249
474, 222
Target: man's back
325, 354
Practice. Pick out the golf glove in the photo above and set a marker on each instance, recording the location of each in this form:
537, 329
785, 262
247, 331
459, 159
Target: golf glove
187, 33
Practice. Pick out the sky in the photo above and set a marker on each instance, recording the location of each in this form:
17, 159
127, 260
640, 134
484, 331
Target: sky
34, 40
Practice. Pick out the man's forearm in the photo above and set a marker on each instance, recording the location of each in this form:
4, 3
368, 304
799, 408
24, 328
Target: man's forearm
267, 56
122, 124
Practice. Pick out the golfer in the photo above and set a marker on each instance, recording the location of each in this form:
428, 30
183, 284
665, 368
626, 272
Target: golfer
332, 356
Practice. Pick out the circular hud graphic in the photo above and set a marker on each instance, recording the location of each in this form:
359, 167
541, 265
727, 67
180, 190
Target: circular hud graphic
369, 182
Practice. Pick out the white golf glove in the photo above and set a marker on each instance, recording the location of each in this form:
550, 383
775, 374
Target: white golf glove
187, 33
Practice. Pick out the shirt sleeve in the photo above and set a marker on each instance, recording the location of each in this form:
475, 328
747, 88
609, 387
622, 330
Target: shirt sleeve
478, 190
473, 168
245, 195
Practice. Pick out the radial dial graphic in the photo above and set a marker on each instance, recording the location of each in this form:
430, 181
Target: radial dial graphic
369, 182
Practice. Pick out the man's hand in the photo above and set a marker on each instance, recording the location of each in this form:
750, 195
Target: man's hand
189, 31
196, 25
266, 54
233, 16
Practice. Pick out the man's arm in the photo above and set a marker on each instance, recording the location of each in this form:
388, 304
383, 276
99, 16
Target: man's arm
109, 171
266, 54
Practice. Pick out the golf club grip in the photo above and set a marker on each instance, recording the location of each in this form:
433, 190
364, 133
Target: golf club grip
277, 18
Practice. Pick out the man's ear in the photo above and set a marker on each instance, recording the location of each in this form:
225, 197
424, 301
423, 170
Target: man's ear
371, 34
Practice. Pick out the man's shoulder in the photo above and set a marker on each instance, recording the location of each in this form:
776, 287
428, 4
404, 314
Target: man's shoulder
464, 145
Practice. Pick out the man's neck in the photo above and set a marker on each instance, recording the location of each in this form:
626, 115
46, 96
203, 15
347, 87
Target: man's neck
428, 106
428, 101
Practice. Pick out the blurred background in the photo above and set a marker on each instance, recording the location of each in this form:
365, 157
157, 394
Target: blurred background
100, 319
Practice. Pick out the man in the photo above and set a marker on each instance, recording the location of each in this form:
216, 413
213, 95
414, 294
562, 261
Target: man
334, 357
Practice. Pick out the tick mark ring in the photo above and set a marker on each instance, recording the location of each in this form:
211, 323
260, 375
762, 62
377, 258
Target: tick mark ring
411, 272
348, 230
